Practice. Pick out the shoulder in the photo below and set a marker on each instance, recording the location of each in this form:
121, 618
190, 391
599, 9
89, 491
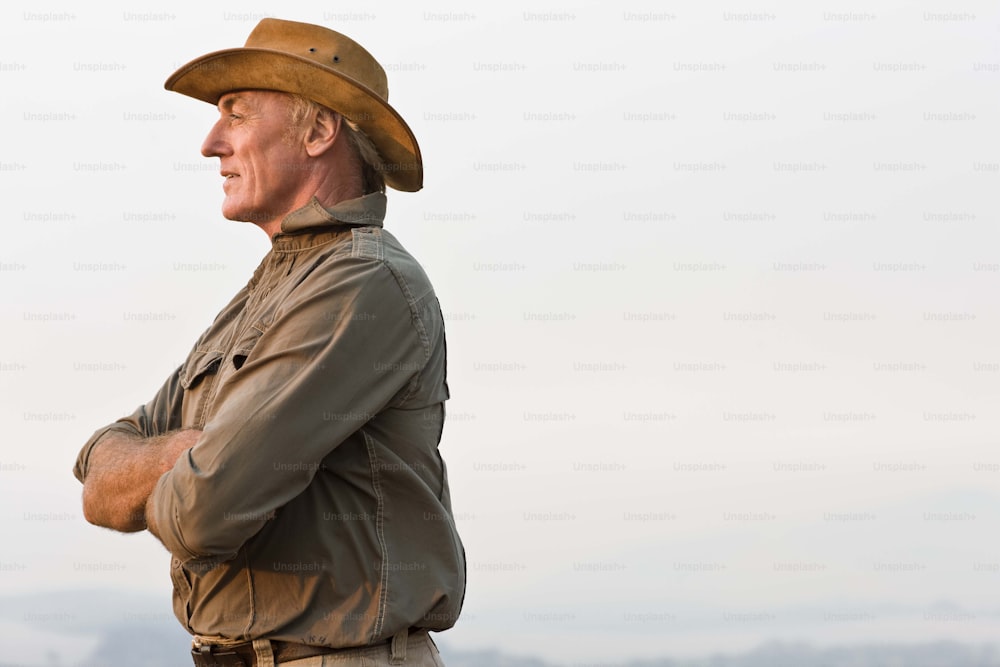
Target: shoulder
372, 259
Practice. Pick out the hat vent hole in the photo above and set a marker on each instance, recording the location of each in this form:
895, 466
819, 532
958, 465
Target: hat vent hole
336, 59
312, 50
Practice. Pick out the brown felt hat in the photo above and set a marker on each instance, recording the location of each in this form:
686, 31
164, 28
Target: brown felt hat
321, 65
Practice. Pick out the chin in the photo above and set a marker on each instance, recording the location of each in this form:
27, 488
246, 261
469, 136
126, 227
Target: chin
247, 215
237, 214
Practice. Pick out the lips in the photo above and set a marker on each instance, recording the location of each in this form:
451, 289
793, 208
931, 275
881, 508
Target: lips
227, 178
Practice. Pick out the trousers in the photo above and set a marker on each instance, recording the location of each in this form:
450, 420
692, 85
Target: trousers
415, 650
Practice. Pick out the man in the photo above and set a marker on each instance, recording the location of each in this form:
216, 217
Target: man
290, 464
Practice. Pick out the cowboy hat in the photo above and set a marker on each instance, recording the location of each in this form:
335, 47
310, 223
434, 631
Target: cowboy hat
321, 65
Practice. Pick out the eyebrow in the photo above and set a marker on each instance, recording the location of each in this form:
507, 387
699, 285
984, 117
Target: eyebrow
229, 101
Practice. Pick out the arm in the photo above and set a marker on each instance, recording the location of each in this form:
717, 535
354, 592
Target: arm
121, 473
158, 417
342, 348
120, 463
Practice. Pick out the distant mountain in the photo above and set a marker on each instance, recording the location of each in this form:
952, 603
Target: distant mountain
143, 646
938, 654
151, 649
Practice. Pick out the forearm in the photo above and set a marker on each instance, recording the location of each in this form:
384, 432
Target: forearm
122, 472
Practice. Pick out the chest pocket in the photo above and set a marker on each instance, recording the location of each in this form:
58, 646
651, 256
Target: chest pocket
200, 364
246, 343
197, 378
210, 366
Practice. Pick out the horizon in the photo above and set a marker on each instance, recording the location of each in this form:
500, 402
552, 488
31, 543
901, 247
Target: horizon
719, 288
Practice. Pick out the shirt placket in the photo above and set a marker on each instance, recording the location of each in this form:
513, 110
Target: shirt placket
259, 292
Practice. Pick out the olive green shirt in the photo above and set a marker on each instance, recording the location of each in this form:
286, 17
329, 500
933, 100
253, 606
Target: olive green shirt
315, 506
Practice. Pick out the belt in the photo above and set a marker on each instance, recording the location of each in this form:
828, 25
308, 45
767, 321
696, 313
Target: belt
244, 655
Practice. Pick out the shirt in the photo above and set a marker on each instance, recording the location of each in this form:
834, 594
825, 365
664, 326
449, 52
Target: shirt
315, 506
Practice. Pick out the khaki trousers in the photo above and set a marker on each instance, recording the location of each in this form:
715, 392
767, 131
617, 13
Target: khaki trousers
416, 650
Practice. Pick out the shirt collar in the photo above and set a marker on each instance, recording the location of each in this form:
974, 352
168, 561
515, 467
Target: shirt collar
365, 210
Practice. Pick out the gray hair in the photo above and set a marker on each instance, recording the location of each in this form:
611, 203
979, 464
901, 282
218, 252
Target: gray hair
371, 162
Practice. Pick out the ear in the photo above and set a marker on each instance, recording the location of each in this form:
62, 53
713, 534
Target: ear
322, 133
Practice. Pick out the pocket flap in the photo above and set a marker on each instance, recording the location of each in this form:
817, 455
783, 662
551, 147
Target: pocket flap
200, 364
245, 345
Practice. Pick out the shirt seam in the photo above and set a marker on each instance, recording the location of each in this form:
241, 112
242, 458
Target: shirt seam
252, 616
380, 536
370, 246
417, 324
362, 246
176, 533
311, 246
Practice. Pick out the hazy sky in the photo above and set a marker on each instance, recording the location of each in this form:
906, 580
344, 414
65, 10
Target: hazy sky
720, 278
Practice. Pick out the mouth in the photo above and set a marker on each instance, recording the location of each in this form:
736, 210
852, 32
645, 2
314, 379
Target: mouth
228, 174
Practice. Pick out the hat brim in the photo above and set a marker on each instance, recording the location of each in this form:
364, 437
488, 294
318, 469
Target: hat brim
211, 76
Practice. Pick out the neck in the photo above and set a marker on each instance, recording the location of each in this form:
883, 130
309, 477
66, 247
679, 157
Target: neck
332, 177
329, 191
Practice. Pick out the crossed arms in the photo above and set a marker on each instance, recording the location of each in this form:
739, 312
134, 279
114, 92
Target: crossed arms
349, 344
123, 469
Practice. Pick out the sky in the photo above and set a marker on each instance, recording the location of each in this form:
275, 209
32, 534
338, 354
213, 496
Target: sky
719, 280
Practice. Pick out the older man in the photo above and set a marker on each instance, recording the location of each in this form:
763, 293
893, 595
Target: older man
290, 464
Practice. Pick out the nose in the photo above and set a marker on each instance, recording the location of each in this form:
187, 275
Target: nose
215, 144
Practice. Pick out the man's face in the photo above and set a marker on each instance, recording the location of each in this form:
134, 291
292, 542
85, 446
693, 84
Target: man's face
263, 166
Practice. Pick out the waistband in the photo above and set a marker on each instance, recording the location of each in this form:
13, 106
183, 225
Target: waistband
208, 652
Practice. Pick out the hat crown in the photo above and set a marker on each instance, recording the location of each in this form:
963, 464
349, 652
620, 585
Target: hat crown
324, 47
321, 65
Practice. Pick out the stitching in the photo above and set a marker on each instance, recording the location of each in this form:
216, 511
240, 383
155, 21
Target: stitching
411, 301
304, 244
367, 242
250, 589
263, 652
418, 324
380, 535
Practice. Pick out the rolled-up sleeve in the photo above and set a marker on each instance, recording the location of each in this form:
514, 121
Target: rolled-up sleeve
159, 415
344, 344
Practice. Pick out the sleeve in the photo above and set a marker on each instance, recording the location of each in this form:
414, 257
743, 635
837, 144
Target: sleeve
161, 414
344, 344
